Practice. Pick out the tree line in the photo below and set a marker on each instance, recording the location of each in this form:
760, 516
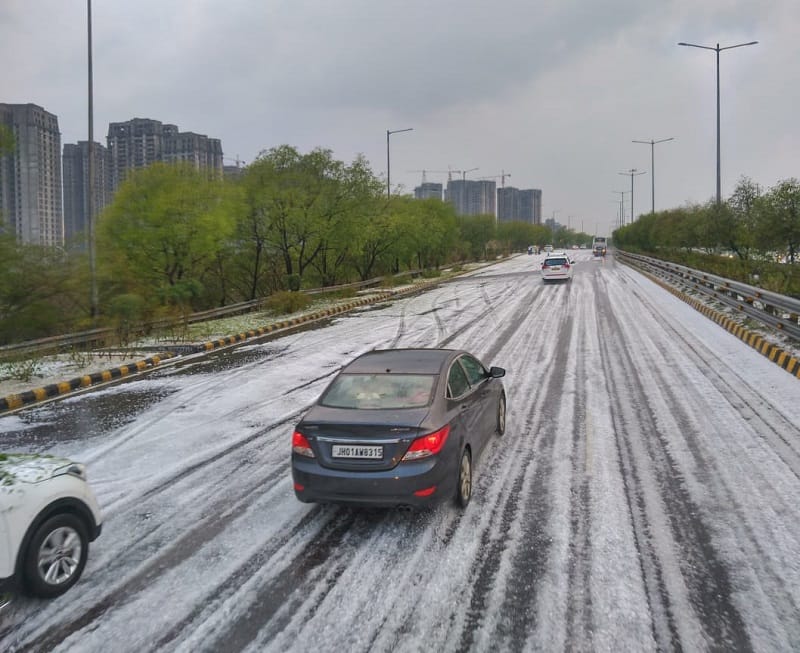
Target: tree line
753, 236
174, 241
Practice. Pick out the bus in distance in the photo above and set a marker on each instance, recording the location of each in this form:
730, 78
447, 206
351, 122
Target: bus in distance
599, 245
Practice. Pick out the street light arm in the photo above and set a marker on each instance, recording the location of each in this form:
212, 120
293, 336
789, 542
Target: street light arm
651, 142
739, 45
704, 47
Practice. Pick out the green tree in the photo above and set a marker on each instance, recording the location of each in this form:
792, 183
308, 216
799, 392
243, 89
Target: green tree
476, 232
428, 231
781, 225
297, 202
350, 200
35, 300
516, 236
375, 238
742, 218
162, 231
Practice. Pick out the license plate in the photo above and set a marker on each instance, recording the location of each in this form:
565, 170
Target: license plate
357, 451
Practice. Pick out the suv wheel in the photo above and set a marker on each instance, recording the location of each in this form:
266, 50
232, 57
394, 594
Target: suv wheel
56, 556
501, 415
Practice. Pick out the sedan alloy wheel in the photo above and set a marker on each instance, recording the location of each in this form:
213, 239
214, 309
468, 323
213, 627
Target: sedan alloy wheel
464, 489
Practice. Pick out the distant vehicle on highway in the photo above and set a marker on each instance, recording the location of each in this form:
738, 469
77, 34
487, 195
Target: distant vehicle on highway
557, 266
48, 516
599, 245
399, 427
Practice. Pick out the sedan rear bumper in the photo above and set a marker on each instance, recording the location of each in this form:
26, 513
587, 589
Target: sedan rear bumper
388, 488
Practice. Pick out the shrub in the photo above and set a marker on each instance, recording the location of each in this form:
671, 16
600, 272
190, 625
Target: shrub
293, 282
128, 314
286, 301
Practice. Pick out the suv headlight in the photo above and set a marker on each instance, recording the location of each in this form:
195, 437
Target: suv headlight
77, 470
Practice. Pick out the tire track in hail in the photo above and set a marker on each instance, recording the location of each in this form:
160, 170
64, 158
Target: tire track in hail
703, 576
579, 565
778, 426
276, 600
717, 478
497, 464
526, 503
401, 326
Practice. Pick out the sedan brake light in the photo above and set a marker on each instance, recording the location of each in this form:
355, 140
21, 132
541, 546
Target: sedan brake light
428, 445
301, 446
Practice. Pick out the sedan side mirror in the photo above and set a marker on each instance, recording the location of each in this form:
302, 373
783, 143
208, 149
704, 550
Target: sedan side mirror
497, 372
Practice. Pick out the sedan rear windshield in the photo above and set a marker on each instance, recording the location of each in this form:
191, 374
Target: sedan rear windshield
555, 261
370, 391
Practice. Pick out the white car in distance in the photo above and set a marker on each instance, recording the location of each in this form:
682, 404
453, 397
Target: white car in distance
557, 266
48, 517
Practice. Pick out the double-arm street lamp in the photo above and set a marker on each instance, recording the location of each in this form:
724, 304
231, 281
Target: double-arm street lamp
718, 50
389, 132
652, 144
633, 172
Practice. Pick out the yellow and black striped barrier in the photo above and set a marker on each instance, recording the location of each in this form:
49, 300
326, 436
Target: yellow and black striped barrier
36, 395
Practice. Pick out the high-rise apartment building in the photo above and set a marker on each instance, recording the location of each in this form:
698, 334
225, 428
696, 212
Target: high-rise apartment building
519, 205
141, 142
30, 177
472, 197
76, 189
508, 206
531, 205
428, 190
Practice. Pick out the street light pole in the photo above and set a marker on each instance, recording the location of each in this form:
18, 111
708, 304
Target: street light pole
718, 50
94, 309
621, 206
388, 168
633, 172
652, 144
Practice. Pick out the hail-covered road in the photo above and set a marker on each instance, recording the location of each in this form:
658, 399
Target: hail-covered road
643, 498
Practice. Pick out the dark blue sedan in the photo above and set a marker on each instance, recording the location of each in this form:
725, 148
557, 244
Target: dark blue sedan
399, 427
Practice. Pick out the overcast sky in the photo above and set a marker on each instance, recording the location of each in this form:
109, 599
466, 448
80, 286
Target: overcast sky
550, 91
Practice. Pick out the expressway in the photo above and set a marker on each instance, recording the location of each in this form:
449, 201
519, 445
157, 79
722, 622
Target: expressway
643, 498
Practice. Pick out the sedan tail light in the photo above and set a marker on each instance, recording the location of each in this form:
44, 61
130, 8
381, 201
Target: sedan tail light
428, 445
301, 446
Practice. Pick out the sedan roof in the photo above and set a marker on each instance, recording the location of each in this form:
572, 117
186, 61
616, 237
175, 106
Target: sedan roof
401, 361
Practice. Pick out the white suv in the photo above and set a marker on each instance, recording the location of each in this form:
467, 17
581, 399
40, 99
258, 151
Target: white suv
557, 266
48, 516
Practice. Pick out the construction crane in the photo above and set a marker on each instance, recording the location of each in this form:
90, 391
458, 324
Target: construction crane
239, 162
424, 172
501, 177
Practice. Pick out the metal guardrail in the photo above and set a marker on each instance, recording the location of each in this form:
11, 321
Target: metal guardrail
778, 311
103, 337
